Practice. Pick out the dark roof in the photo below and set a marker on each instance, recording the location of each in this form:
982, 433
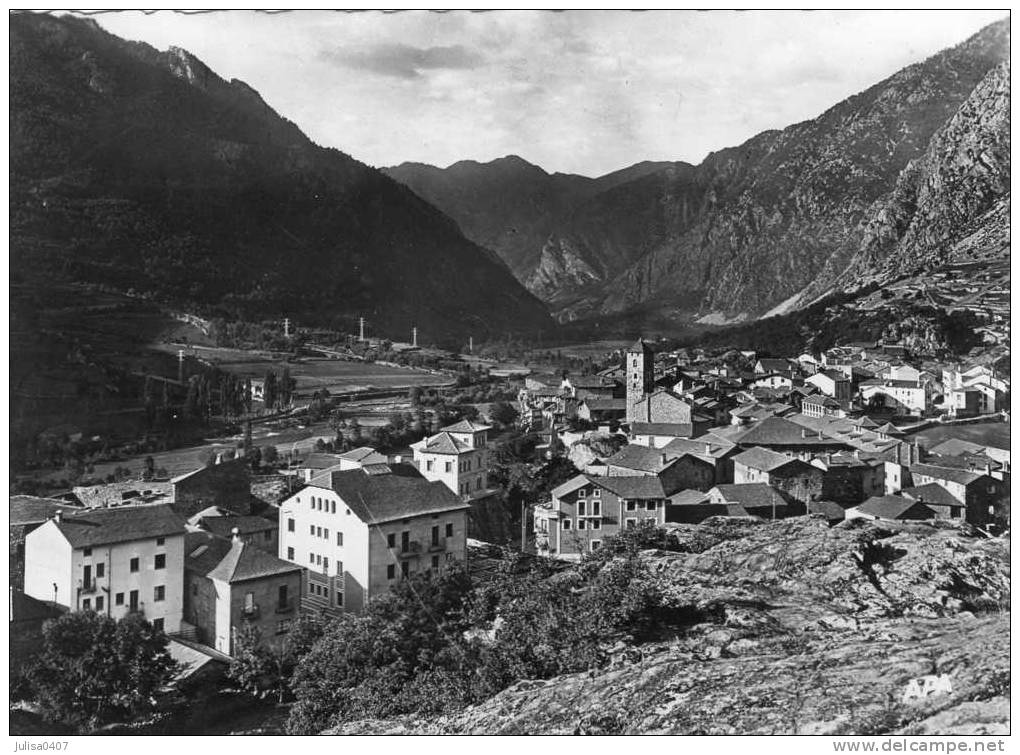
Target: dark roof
444, 443
688, 498
646, 459
361, 453
770, 364
777, 431
675, 429
961, 476
830, 509
244, 561
119, 525
28, 509
605, 403
632, 488
708, 446
26, 608
466, 426
895, 507
763, 459
639, 345
382, 498
223, 526
750, 495
932, 493
821, 400
320, 461
952, 447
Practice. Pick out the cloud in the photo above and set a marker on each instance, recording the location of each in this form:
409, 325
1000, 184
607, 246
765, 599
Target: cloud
405, 61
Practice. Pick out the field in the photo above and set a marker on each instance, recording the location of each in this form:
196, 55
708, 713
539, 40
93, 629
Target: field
995, 434
313, 374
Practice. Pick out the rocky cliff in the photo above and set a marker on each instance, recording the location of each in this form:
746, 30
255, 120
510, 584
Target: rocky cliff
792, 628
141, 169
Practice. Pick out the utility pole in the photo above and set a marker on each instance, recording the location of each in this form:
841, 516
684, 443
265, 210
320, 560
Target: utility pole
286, 327
524, 525
471, 344
361, 326
414, 337
180, 365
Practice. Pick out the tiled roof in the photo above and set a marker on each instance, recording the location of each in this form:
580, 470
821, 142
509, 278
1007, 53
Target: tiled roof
708, 446
466, 426
578, 481
28, 509
931, 492
895, 507
830, 509
606, 403
444, 443
244, 561
364, 454
821, 400
774, 365
777, 431
749, 495
640, 457
119, 525
961, 476
382, 498
640, 345
320, 461
763, 459
688, 498
641, 487
957, 447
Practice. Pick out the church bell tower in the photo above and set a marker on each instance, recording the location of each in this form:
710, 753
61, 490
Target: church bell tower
640, 376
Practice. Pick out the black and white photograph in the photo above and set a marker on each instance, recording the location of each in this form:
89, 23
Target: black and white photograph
510, 372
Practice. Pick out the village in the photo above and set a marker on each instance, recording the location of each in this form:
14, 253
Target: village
655, 440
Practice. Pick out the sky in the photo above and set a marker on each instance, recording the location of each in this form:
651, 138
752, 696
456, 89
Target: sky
583, 92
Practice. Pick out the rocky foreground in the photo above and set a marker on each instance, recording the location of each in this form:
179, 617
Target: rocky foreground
789, 628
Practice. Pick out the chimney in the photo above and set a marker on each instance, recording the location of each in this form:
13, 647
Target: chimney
57, 516
819, 435
857, 453
663, 459
398, 459
235, 535
988, 468
803, 432
828, 459
708, 449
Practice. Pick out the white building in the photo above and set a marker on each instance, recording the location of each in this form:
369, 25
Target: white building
357, 531
833, 384
457, 456
113, 561
902, 396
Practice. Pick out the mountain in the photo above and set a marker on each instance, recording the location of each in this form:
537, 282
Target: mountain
887, 178
508, 205
144, 170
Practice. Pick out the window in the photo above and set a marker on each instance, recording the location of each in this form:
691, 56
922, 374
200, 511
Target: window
478, 484
283, 627
311, 530
631, 505
435, 562
318, 559
290, 554
325, 533
339, 538
159, 593
650, 506
118, 599
311, 502
391, 540
405, 568
339, 598
581, 524
325, 563
596, 493
596, 524
566, 524
332, 507
631, 524
405, 541
596, 508
290, 525
100, 570
339, 568
133, 600
449, 530
160, 541
159, 562
281, 596
391, 571
134, 565
86, 605
87, 552
428, 465
99, 602
249, 601
311, 558
595, 544
158, 624
449, 466
435, 535
311, 589
582, 493
582, 508
318, 531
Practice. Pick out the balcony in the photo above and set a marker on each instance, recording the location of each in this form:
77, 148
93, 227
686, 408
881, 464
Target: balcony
439, 545
87, 588
250, 612
410, 550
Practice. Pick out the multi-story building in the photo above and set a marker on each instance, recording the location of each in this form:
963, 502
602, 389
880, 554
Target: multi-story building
640, 367
112, 561
457, 456
587, 509
231, 584
357, 531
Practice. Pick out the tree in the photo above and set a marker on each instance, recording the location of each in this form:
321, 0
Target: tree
286, 386
94, 669
269, 390
150, 468
503, 413
414, 396
251, 664
270, 455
